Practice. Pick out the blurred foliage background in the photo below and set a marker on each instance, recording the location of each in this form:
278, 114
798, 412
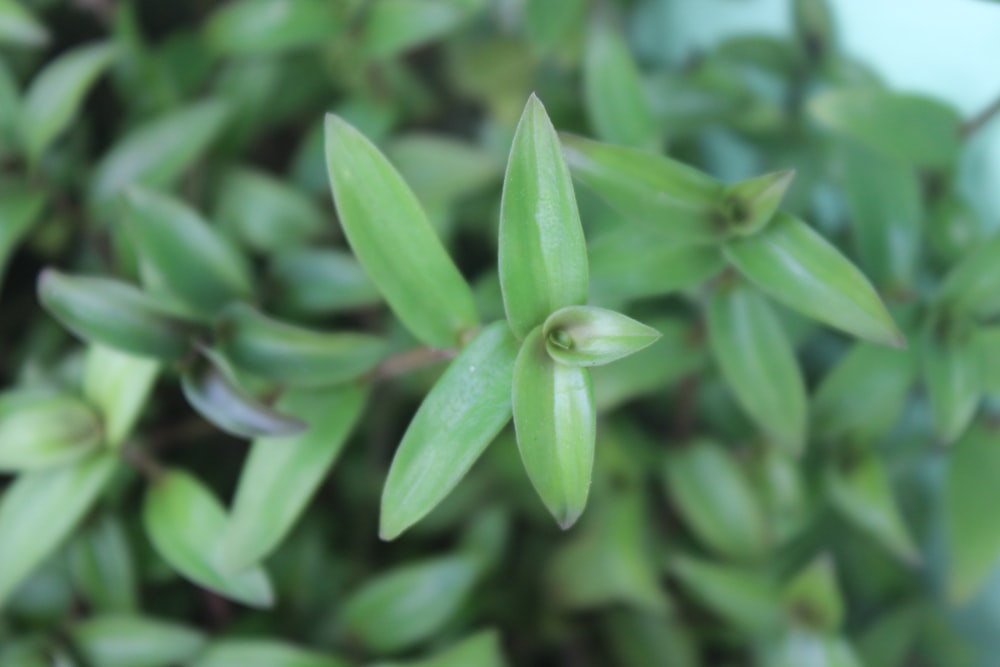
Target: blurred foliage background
703, 543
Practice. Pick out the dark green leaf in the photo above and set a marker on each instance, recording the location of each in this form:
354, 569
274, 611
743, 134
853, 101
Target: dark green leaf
814, 596
262, 653
745, 598
973, 286
103, 566
315, 282
589, 336
19, 212
953, 368
481, 649
253, 27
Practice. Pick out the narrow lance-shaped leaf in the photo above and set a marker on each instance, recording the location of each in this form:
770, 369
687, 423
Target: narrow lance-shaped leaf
616, 103
460, 416
670, 198
555, 420
210, 388
394, 241
18, 26
115, 314
55, 95
758, 363
795, 265
953, 367
134, 641
481, 649
183, 254
589, 336
185, 522
252, 27
294, 355
19, 212
118, 385
281, 474
542, 251
41, 428
262, 653
40, 509
395, 26
750, 205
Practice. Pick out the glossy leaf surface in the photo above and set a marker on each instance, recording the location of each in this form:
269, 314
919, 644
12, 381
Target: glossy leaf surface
589, 336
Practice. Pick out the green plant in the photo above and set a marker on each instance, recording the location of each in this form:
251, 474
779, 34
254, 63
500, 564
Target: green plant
736, 416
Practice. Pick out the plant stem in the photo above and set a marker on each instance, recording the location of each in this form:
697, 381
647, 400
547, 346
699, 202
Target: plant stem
982, 119
142, 461
410, 360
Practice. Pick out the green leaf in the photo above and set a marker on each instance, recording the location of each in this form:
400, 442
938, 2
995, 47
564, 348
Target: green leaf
628, 264
103, 566
589, 336
134, 641
157, 153
185, 524
815, 26
460, 416
918, 130
281, 474
395, 26
744, 598
254, 27
313, 281
20, 210
265, 213
973, 286
814, 597
800, 648
758, 362
750, 205
183, 255
952, 369
970, 486
210, 388
56, 94
637, 638
798, 267
393, 239
39, 510
40, 428
19, 27
615, 101
891, 637
556, 424
411, 603
115, 314
481, 649
671, 199
262, 653
293, 355
715, 499
863, 495
118, 385
542, 252
886, 205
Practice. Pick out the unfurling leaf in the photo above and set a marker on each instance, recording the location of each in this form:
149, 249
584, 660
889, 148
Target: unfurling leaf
542, 251
589, 336
460, 416
40, 428
555, 420
750, 205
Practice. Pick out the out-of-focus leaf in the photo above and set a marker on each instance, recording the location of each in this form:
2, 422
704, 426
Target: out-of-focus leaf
886, 207
815, 26
293, 355
798, 267
253, 27
55, 95
40, 509
615, 101
745, 598
863, 396
973, 286
672, 199
262, 653
750, 205
281, 474
19, 211
715, 499
481, 649
542, 251
406, 605
392, 238
556, 424
185, 524
182, 254
265, 213
802, 648
115, 314
40, 428
118, 385
814, 597
103, 566
158, 152
395, 26
629, 264
134, 641
918, 130
970, 486
590, 336
19, 27
759, 363
888, 640
551, 25
636, 638
987, 341
316, 281
953, 368
210, 388
864, 496
460, 416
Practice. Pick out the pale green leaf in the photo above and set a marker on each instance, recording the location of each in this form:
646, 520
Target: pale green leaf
262, 653
814, 596
118, 384
589, 336
395, 26
103, 566
953, 375
253, 27
134, 641
40, 428
19, 27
